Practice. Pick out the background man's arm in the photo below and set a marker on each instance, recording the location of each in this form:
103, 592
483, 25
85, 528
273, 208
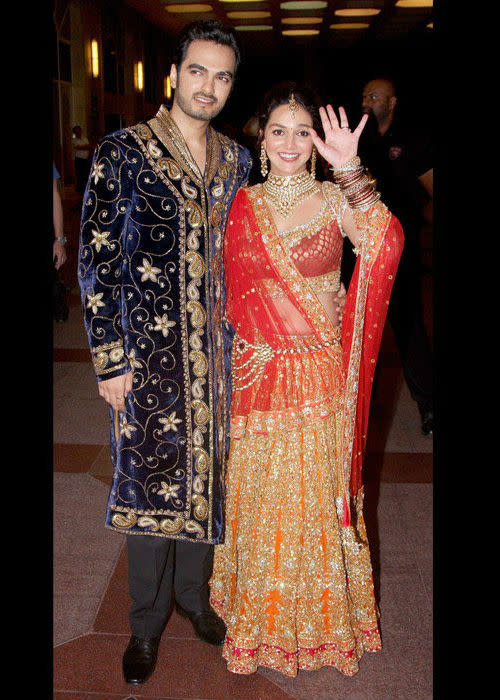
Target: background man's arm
427, 180
58, 250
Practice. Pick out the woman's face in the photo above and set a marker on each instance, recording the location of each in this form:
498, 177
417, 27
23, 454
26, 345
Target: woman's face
287, 140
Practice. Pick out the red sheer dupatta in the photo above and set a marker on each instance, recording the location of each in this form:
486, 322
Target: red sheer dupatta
270, 305
362, 327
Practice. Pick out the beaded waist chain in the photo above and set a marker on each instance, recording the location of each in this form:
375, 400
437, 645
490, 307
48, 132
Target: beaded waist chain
253, 366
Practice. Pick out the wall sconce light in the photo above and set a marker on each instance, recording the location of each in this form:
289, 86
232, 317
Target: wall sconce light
167, 88
94, 58
138, 76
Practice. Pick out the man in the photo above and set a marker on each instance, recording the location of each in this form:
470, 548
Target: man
152, 285
401, 160
59, 301
81, 150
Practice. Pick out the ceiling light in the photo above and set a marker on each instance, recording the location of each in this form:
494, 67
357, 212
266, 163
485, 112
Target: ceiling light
414, 3
350, 25
183, 8
302, 20
303, 5
248, 15
300, 32
358, 12
253, 27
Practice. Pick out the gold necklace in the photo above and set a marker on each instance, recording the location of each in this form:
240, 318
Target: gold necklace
285, 192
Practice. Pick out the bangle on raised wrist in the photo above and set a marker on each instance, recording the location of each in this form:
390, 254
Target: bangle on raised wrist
356, 186
349, 165
61, 239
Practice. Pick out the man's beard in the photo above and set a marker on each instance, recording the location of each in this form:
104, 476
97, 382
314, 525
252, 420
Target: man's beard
195, 114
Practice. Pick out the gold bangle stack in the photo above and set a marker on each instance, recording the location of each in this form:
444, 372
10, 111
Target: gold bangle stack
355, 184
349, 165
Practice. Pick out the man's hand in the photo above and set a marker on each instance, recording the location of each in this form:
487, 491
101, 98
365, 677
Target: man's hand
114, 390
341, 295
58, 254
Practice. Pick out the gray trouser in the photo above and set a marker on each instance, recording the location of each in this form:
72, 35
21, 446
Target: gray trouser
155, 565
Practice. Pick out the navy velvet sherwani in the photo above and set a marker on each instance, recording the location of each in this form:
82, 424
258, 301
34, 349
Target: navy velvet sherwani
152, 285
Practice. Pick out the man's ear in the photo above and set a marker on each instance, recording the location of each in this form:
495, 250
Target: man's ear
392, 101
173, 76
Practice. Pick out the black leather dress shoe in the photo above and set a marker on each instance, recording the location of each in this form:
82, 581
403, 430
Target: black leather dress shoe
428, 423
139, 659
207, 625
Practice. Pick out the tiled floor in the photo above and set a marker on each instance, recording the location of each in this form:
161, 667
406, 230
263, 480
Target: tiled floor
91, 597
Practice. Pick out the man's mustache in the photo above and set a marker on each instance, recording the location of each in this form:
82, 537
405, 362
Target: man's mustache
206, 97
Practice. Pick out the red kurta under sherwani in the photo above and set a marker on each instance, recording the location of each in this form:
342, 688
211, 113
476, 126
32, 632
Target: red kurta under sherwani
293, 579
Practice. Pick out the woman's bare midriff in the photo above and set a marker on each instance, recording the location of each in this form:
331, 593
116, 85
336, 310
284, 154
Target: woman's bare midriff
329, 301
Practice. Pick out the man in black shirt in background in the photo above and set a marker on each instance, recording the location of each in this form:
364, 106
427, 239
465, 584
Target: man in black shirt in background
401, 161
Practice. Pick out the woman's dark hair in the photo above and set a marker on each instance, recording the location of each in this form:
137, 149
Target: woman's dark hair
280, 95
206, 30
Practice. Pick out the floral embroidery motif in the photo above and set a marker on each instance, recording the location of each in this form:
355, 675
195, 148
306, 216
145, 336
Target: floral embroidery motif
95, 301
170, 423
132, 359
163, 324
168, 491
98, 172
126, 429
100, 239
148, 272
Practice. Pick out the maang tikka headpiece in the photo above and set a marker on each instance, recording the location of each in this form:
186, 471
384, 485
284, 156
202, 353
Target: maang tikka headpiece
292, 105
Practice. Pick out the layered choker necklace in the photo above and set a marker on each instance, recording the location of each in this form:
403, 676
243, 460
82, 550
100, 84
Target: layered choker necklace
285, 192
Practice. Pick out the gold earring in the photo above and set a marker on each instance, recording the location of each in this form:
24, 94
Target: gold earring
313, 162
263, 161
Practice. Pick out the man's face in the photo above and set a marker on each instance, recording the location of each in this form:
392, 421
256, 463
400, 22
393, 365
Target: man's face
378, 98
204, 80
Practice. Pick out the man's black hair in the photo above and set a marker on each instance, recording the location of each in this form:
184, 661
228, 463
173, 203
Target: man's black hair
386, 78
207, 30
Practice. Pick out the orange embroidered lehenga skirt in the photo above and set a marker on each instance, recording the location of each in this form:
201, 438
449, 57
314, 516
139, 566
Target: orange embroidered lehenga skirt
293, 579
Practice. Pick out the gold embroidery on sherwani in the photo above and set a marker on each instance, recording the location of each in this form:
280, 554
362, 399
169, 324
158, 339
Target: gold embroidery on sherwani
103, 355
182, 179
174, 525
169, 133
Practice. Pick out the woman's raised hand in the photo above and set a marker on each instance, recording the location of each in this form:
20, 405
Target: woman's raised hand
340, 144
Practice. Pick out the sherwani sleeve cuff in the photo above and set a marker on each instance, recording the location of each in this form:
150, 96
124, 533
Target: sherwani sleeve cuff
110, 360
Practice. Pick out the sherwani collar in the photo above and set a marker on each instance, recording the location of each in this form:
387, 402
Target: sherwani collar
171, 137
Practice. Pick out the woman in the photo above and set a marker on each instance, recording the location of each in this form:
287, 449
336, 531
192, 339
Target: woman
293, 579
